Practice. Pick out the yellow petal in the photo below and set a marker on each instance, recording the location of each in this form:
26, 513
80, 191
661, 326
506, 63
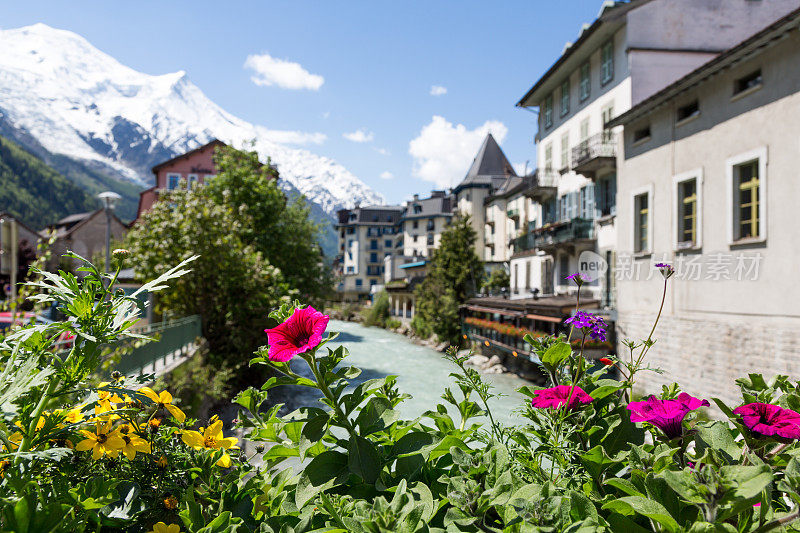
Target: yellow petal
129, 452
97, 452
173, 528
84, 445
165, 397
228, 442
224, 461
150, 393
192, 438
215, 430
174, 411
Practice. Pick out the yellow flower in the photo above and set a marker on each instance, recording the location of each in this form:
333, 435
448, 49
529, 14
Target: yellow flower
133, 443
74, 415
104, 441
164, 400
105, 399
161, 527
171, 502
162, 462
211, 438
3, 465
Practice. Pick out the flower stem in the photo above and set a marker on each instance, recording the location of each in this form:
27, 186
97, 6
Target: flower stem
326, 391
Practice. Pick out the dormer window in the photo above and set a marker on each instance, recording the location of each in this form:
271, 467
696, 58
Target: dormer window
641, 135
607, 63
745, 83
565, 97
417, 209
548, 111
586, 82
688, 111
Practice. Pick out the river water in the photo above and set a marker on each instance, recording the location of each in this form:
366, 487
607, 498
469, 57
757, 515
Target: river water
422, 372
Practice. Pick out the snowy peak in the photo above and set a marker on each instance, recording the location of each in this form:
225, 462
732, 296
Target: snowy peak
78, 101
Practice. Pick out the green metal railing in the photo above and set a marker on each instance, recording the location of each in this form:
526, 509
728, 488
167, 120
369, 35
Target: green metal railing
173, 339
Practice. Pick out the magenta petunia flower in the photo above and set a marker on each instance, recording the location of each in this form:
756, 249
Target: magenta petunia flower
557, 396
767, 420
666, 415
300, 333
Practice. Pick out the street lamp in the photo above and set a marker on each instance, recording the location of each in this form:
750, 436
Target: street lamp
109, 200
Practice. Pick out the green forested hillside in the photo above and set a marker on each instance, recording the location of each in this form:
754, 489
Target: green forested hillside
34, 192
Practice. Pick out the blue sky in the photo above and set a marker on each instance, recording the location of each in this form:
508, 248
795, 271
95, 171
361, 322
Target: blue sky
377, 61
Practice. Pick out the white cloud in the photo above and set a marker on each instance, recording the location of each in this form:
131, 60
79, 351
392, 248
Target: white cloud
386, 175
271, 71
382, 151
295, 137
443, 152
438, 90
359, 136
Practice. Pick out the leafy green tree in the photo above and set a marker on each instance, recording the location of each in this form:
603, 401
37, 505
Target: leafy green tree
498, 279
454, 275
231, 285
282, 231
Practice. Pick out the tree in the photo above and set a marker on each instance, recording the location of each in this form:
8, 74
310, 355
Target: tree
498, 280
231, 285
455, 274
281, 230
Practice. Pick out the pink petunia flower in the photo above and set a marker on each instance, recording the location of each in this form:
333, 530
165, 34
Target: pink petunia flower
666, 415
557, 396
767, 420
300, 333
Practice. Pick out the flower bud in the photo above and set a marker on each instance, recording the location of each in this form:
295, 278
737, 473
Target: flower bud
260, 448
121, 253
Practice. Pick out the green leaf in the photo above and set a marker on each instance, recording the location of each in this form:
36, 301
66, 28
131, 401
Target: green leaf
645, 507
718, 438
556, 354
364, 459
685, 485
624, 485
322, 472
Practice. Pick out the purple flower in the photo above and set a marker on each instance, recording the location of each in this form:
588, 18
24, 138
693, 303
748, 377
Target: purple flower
590, 324
666, 269
557, 396
300, 333
666, 415
767, 420
578, 278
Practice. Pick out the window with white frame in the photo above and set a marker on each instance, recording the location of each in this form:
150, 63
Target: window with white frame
565, 150
584, 129
548, 157
173, 180
548, 111
687, 217
191, 180
607, 62
586, 82
565, 97
746, 195
606, 114
641, 222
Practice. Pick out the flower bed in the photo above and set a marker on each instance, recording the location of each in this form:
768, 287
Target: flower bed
508, 329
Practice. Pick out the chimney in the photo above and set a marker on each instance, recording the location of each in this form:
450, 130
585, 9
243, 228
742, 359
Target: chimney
416, 197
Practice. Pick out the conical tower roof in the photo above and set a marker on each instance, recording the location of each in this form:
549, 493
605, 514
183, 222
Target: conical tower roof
489, 166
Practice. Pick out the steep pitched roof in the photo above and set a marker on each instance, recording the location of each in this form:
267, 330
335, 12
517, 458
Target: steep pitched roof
489, 167
215, 143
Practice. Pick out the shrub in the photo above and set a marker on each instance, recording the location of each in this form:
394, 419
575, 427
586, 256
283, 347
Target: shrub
379, 312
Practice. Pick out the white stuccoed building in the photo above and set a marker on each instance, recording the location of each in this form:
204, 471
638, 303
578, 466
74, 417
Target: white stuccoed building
708, 181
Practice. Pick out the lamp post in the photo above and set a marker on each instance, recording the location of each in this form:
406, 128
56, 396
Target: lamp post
109, 200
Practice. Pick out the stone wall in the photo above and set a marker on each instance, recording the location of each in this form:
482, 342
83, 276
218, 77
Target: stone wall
706, 354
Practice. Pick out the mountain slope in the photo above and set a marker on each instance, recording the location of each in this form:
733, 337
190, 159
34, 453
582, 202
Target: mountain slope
34, 192
77, 102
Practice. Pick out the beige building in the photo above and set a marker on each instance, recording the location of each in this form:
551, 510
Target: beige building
632, 50
84, 234
708, 182
423, 222
366, 236
489, 171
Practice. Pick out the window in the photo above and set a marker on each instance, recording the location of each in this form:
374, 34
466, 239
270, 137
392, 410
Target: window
563, 269
417, 209
584, 129
641, 204
548, 111
415, 224
373, 244
587, 202
565, 150
387, 243
359, 282
745, 83
606, 193
688, 111
586, 84
192, 180
606, 114
565, 97
430, 239
642, 134
687, 218
747, 199
173, 180
548, 157
431, 224
607, 63
373, 257
414, 238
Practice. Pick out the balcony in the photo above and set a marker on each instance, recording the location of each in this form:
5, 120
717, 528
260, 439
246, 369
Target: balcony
598, 152
542, 185
523, 243
513, 214
567, 233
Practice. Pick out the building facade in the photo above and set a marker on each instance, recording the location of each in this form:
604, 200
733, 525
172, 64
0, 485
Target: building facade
708, 184
631, 50
423, 222
84, 234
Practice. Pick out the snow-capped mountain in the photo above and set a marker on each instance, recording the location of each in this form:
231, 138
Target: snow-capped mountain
71, 99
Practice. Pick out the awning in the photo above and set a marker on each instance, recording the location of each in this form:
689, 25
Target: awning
493, 310
545, 318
